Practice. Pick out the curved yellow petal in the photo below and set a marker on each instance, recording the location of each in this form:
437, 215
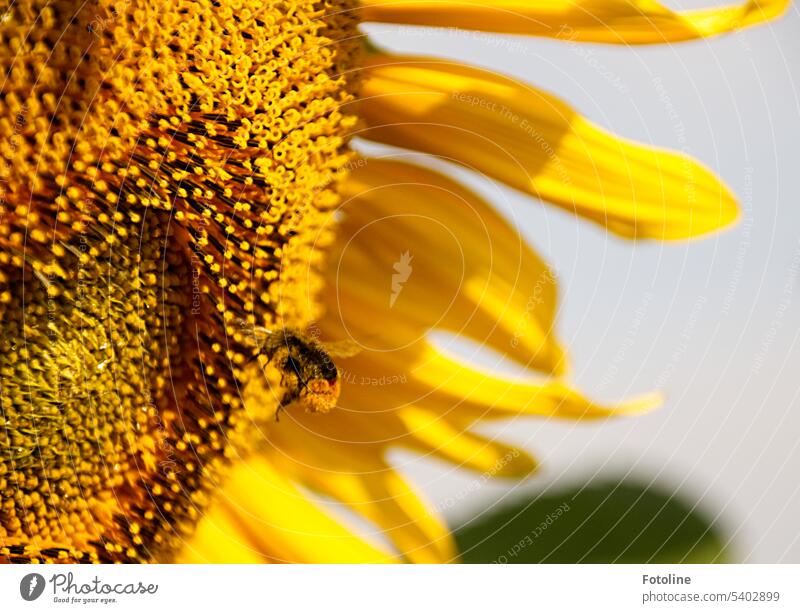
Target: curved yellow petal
603, 21
536, 143
445, 384
219, 539
318, 454
440, 436
385, 498
417, 250
261, 516
554, 399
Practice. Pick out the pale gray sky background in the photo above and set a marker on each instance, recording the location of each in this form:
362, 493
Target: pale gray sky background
714, 323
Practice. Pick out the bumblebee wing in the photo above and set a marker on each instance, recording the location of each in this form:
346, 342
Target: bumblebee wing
342, 349
257, 335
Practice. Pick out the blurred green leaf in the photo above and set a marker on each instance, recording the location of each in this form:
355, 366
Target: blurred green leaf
603, 522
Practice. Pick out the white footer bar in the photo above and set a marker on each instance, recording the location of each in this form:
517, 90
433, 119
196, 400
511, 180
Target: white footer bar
401, 589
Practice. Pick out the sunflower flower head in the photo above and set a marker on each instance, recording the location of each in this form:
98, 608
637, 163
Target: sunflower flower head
166, 171
183, 224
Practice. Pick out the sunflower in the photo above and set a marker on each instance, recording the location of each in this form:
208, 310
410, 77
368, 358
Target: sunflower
217, 319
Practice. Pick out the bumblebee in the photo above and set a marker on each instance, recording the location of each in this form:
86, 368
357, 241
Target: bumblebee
309, 375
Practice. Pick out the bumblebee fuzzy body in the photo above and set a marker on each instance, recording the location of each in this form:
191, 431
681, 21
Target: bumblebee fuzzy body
309, 375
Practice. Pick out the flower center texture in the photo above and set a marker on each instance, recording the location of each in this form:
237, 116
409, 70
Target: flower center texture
166, 172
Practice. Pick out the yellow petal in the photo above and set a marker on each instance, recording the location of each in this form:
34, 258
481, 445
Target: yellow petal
385, 498
218, 539
439, 436
418, 251
354, 473
605, 21
536, 143
261, 516
442, 383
